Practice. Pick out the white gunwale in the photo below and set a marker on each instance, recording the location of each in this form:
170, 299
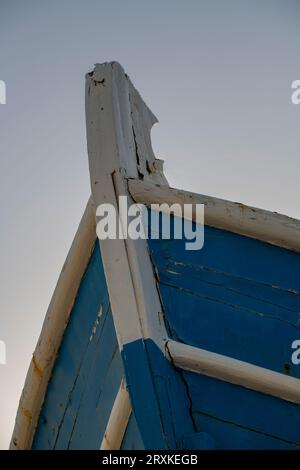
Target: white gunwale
137, 310
119, 147
263, 225
53, 328
118, 420
233, 371
118, 126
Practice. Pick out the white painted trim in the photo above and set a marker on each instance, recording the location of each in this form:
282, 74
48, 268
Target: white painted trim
119, 147
115, 138
263, 225
118, 420
51, 335
233, 371
144, 297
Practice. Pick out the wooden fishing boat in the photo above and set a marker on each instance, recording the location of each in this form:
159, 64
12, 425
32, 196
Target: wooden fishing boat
147, 345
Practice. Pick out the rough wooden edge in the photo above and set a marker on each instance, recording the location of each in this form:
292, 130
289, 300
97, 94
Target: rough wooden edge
119, 147
269, 227
118, 420
52, 332
234, 371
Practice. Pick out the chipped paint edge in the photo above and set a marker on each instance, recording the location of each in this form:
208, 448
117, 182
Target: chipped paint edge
269, 227
54, 325
108, 181
119, 147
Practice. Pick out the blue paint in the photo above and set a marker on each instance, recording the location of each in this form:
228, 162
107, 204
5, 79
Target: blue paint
223, 402
238, 297
158, 396
87, 373
235, 330
94, 392
198, 441
91, 295
238, 255
231, 437
132, 438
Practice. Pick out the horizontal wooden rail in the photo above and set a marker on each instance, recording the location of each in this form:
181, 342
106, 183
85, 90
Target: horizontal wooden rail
260, 224
234, 371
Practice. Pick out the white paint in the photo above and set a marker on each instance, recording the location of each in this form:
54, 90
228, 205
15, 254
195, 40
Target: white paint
118, 420
233, 371
118, 129
51, 335
263, 225
113, 110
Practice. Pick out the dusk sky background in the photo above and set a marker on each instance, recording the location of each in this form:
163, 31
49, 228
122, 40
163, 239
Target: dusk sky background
216, 73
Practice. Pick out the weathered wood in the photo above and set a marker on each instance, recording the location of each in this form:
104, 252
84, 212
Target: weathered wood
231, 294
237, 297
119, 146
118, 420
87, 372
263, 225
52, 332
132, 439
234, 371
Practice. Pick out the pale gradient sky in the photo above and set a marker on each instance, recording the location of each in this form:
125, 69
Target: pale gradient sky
217, 74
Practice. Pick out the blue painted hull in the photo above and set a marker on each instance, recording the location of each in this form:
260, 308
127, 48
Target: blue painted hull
238, 297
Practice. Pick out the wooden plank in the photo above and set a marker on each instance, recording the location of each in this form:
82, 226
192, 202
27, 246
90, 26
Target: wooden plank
237, 407
52, 332
149, 373
263, 225
132, 438
231, 330
229, 436
87, 373
112, 155
240, 298
117, 146
231, 255
234, 371
118, 420
95, 399
120, 147
237, 296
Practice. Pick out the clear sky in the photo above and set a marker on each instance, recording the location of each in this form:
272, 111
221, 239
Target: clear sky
217, 74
